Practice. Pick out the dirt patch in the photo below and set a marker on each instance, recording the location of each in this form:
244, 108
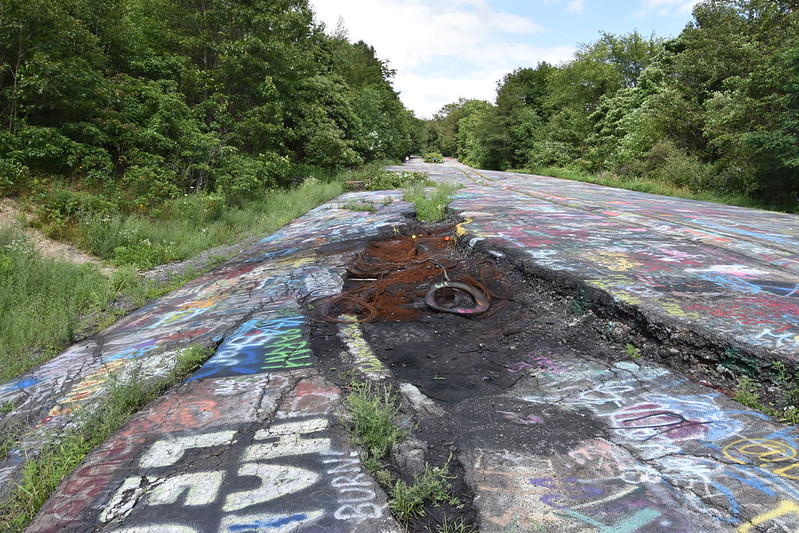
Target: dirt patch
12, 216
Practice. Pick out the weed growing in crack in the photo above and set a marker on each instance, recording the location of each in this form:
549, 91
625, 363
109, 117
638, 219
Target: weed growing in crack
632, 351
62, 453
453, 526
430, 206
747, 393
789, 383
433, 486
361, 205
789, 415
371, 410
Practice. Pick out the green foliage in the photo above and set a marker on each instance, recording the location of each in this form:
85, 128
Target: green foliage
632, 351
453, 526
42, 302
371, 410
433, 157
192, 223
142, 101
45, 303
384, 180
747, 394
362, 205
713, 111
432, 486
430, 206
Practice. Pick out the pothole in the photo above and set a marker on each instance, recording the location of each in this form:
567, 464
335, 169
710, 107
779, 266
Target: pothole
459, 370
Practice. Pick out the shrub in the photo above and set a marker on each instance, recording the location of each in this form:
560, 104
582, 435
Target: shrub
433, 157
150, 183
243, 176
59, 208
13, 176
382, 180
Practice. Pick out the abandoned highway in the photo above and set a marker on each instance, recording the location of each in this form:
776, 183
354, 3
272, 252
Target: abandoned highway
593, 395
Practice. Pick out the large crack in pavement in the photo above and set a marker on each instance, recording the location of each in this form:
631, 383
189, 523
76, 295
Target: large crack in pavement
554, 426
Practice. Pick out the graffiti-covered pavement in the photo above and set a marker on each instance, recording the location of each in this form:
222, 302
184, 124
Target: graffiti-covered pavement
253, 441
726, 273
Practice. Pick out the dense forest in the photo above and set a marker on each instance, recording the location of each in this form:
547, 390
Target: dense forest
716, 108
112, 106
109, 105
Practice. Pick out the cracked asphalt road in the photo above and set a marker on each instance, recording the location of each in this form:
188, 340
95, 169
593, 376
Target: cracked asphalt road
253, 441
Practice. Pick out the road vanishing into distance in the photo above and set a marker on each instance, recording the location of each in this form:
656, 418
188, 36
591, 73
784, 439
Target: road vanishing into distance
546, 428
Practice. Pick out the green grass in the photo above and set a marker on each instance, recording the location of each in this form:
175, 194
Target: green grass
433, 157
371, 410
60, 455
384, 180
431, 486
650, 186
184, 227
457, 525
45, 303
747, 393
430, 206
42, 302
632, 351
362, 205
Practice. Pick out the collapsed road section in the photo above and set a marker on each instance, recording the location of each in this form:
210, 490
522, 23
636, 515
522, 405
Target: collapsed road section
553, 418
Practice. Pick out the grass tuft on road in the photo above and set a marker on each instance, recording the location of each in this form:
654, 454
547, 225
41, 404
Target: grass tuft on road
371, 410
431, 486
430, 205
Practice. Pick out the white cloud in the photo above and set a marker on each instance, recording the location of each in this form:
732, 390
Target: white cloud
575, 6
422, 36
668, 8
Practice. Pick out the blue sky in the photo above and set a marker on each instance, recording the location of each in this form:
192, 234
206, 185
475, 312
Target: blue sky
447, 49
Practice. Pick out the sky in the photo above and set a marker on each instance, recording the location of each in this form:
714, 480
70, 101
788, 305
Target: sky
443, 50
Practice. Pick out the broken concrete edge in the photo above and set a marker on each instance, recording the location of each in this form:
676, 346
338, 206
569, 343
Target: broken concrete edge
661, 334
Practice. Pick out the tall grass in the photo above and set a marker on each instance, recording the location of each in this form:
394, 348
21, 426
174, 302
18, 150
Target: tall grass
186, 226
42, 302
430, 205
